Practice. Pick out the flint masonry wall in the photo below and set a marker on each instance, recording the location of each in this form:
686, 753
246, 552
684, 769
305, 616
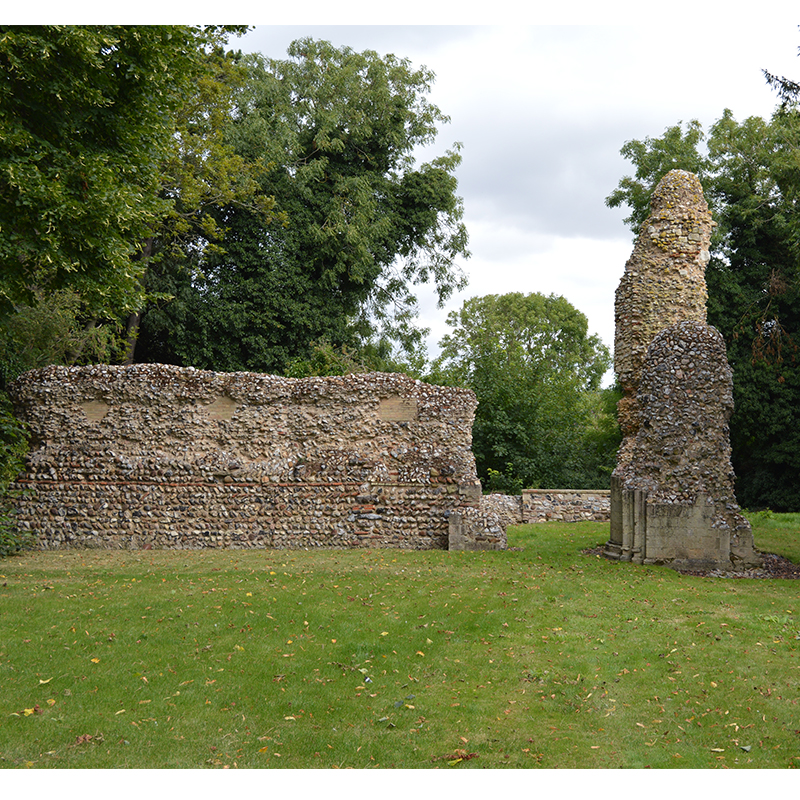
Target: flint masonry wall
162, 456
566, 505
550, 505
672, 492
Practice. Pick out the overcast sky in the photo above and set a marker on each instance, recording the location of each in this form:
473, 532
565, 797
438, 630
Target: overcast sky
542, 112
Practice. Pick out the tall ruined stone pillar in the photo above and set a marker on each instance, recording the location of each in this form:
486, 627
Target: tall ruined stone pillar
672, 492
664, 282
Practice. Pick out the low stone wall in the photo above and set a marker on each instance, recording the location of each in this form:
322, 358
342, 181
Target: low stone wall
507, 506
162, 456
566, 505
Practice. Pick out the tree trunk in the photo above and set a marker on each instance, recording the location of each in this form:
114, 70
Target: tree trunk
135, 318
131, 334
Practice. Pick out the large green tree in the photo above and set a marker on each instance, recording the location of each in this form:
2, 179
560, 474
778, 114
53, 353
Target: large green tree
110, 150
750, 173
535, 370
360, 221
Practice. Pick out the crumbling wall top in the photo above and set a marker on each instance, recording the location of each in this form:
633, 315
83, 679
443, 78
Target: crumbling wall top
151, 420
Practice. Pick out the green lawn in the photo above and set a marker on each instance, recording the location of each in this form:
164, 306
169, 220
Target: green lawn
537, 657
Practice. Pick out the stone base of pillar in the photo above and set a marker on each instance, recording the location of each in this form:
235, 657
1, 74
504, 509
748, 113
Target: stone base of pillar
681, 536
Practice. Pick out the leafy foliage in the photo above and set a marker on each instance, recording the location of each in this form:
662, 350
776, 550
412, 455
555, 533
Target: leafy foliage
530, 361
87, 116
52, 331
788, 90
503, 482
359, 221
112, 154
601, 436
675, 149
13, 449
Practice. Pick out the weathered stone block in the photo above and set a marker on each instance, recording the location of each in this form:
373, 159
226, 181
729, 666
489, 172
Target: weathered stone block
475, 529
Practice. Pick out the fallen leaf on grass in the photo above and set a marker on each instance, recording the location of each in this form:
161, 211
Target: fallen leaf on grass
457, 757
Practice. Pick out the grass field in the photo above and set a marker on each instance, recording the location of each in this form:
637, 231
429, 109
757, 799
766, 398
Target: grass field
536, 657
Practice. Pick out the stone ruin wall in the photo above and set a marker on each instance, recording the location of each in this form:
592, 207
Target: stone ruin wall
672, 492
680, 461
168, 457
550, 505
566, 505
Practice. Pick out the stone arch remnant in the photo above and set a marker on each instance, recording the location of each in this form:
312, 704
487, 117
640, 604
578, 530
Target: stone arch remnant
160, 456
672, 492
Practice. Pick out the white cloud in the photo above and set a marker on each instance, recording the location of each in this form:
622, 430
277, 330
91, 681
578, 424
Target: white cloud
584, 271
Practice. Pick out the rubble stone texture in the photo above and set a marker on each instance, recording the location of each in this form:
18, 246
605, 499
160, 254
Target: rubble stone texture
664, 282
672, 492
565, 505
162, 456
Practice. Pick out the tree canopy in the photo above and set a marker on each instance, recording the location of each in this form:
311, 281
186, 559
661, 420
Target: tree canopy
534, 367
89, 119
359, 221
750, 172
